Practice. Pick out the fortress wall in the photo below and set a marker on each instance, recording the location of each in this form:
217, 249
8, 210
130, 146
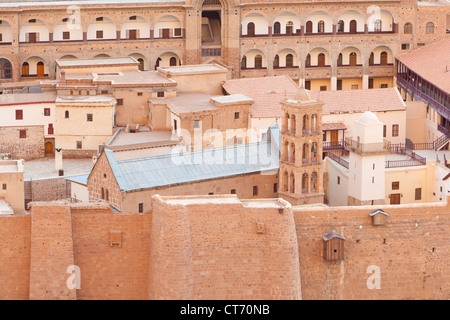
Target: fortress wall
15, 251
214, 250
411, 260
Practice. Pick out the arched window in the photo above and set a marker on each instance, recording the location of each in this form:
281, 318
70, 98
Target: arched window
292, 183
305, 183
5, 69
314, 152
285, 181
384, 58
353, 26
173, 62
305, 153
258, 61
251, 29
289, 28
407, 28
321, 60
377, 25
244, 62
308, 60
321, 26
429, 28
158, 61
313, 184
371, 59
25, 69
352, 59
107, 195
66, 114
40, 69
292, 157
314, 123
103, 194
141, 64
289, 61
305, 124
309, 27
340, 26
276, 61
277, 28
339, 61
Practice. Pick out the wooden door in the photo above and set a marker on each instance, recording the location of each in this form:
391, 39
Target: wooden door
251, 29
132, 34
334, 137
48, 148
321, 60
166, 33
40, 69
352, 59
395, 198
353, 26
25, 69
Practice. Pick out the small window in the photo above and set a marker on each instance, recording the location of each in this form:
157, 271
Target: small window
19, 114
338, 180
104, 92
66, 114
120, 102
139, 94
308, 84
233, 191
133, 18
255, 190
46, 112
141, 207
384, 131
66, 35
79, 144
323, 88
32, 21
90, 117
65, 20
4, 186
196, 124
275, 187
160, 94
177, 32
22, 134
383, 85
99, 19
418, 195
236, 116
395, 130
99, 34
50, 128
395, 185
405, 46
354, 87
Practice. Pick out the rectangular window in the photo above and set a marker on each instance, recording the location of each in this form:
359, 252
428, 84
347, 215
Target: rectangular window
50, 128
233, 191
22, 134
405, 46
275, 187
99, 34
383, 85
66, 35
79, 144
236, 116
370, 83
4, 186
104, 91
141, 208
177, 32
384, 131
255, 190
339, 85
395, 185
120, 102
323, 88
395, 130
19, 114
175, 125
46, 112
90, 117
338, 180
196, 124
160, 94
139, 94
308, 85
1, 37
354, 87
418, 194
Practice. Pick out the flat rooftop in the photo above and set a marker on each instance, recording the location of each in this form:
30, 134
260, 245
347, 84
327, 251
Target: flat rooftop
134, 78
66, 63
27, 98
187, 102
86, 99
125, 138
192, 69
11, 166
25, 3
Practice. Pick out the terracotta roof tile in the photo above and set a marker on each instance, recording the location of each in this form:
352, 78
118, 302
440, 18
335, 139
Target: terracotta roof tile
430, 62
333, 126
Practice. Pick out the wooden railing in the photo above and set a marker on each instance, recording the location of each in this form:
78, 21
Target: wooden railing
339, 160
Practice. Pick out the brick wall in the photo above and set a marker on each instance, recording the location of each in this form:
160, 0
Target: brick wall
50, 189
30, 147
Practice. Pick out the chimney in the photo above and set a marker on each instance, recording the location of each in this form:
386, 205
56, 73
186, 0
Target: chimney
63, 77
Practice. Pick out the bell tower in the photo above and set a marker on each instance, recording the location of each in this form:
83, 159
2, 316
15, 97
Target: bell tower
301, 172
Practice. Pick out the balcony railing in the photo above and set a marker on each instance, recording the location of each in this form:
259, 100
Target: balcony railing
332, 145
359, 147
339, 160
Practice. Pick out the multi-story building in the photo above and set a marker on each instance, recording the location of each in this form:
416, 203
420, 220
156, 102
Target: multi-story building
322, 45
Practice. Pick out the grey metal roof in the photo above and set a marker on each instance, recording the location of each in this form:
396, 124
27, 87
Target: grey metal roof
153, 172
79, 179
333, 235
377, 212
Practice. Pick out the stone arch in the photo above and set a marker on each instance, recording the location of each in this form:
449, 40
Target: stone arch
34, 30
167, 59
260, 22
352, 15
288, 58
292, 153
6, 32
251, 56
378, 53
135, 27
304, 183
292, 182
347, 55
285, 181
290, 22
66, 30
143, 64
168, 26
313, 182
34, 66
317, 17
101, 28
383, 19
319, 55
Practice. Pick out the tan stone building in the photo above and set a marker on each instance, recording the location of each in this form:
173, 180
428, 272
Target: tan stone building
322, 45
12, 199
